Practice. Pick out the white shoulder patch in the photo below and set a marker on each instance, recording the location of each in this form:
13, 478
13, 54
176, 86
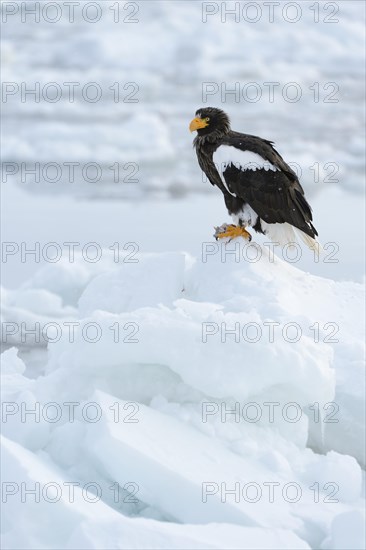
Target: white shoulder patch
243, 160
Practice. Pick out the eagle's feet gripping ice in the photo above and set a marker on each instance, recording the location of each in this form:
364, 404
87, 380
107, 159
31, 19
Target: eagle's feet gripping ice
231, 231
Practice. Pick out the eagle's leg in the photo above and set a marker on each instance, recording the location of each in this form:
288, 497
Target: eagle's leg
231, 231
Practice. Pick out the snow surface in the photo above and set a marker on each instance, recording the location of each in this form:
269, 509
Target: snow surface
169, 378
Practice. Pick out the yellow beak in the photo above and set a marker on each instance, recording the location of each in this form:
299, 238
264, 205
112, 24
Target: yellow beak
197, 123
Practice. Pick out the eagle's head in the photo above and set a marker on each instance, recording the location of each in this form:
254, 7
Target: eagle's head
210, 122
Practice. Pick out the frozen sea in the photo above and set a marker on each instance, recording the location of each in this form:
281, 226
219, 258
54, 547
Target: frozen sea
185, 394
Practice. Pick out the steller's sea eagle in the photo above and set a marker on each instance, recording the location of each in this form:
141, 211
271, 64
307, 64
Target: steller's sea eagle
259, 188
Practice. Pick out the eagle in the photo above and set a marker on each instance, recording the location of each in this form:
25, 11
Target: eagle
260, 190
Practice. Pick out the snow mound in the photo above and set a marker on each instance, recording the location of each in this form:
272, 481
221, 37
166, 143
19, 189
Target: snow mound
97, 526
217, 394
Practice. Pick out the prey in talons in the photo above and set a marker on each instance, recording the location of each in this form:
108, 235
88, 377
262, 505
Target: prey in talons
231, 231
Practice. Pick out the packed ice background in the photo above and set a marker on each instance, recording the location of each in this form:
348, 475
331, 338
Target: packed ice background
168, 384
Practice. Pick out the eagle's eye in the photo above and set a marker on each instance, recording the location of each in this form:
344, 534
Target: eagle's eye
207, 119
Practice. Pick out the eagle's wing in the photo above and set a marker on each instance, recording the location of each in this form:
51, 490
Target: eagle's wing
252, 170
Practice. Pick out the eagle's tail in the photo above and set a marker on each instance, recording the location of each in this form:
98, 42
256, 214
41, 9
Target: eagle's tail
285, 234
312, 243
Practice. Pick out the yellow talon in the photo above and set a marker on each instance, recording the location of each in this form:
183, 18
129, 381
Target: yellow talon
232, 231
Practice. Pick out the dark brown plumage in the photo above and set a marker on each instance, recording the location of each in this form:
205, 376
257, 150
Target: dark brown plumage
259, 188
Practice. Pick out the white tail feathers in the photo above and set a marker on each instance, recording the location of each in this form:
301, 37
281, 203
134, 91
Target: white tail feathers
281, 233
310, 242
284, 234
